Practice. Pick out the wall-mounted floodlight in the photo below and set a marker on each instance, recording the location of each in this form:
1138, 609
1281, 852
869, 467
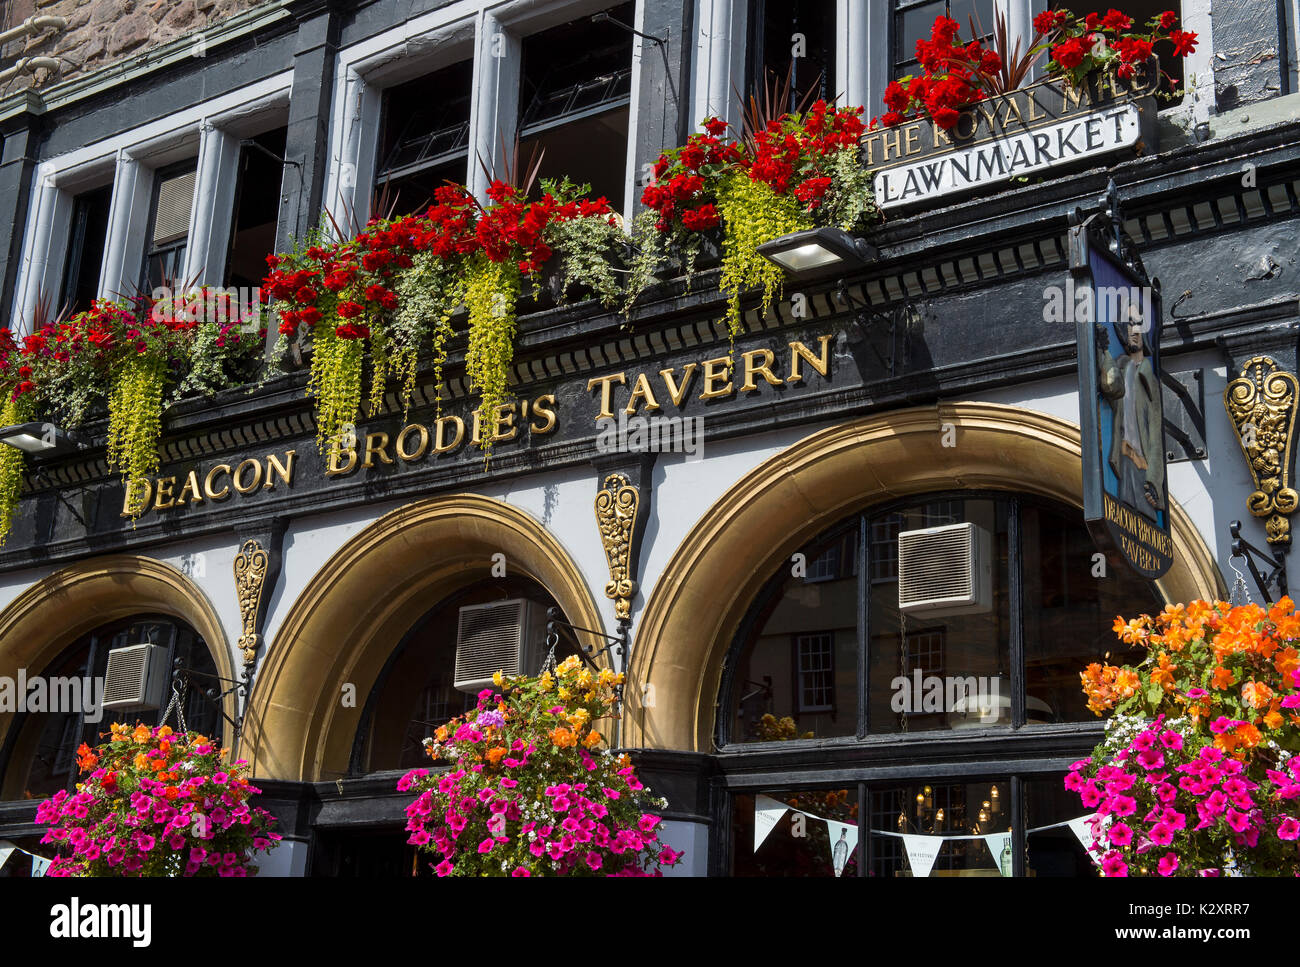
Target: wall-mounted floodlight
817, 251
43, 439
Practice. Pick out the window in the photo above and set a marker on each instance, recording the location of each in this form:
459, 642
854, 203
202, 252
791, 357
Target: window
257, 207
1047, 612
914, 19
85, 257
806, 832
815, 657
39, 758
574, 102
424, 139
961, 813
794, 39
169, 226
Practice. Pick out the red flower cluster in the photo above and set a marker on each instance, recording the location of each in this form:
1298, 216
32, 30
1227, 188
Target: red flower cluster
790, 154
955, 75
354, 279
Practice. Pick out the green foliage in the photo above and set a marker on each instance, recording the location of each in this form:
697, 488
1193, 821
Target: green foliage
12, 465
491, 290
135, 404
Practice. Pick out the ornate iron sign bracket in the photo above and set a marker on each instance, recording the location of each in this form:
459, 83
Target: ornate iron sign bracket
1276, 563
257, 565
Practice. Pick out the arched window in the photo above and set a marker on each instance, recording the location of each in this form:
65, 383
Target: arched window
39, 757
827, 655
415, 692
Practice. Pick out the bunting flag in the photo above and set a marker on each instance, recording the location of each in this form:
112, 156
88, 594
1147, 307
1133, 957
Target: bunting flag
922, 852
844, 840
766, 813
997, 843
6, 848
39, 864
1082, 829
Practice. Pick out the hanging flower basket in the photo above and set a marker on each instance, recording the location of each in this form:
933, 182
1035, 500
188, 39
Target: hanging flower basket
530, 790
156, 803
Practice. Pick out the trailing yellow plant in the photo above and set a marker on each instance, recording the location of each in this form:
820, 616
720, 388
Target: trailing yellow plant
491, 289
335, 381
135, 403
12, 466
752, 213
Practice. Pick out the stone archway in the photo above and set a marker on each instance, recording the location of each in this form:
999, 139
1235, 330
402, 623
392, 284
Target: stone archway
57, 610
344, 625
700, 598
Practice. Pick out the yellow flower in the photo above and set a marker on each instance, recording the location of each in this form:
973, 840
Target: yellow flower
568, 666
498, 679
584, 678
547, 682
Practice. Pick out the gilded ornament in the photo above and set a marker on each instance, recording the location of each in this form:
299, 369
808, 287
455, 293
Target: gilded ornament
1261, 403
250, 576
616, 509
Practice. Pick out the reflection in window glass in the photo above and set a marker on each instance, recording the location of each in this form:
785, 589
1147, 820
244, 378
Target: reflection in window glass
424, 139
1056, 851
85, 256
804, 833
940, 670
797, 674
1071, 600
932, 809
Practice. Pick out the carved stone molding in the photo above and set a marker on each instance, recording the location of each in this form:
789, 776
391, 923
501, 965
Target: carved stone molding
1261, 403
617, 505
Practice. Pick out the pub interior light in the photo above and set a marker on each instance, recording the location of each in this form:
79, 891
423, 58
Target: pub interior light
38, 438
818, 250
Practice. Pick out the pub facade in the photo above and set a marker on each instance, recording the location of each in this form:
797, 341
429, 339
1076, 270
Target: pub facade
728, 521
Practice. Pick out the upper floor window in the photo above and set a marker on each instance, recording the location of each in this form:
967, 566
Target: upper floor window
792, 41
424, 138
85, 256
169, 226
913, 20
574, 101
257, 207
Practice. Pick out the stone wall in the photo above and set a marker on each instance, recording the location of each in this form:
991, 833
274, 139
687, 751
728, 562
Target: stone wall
102, 32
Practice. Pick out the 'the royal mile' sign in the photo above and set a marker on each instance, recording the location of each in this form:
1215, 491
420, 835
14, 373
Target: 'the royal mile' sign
1043, 127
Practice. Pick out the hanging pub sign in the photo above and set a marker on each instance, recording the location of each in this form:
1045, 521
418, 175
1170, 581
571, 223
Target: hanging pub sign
1117, 314
1025, 132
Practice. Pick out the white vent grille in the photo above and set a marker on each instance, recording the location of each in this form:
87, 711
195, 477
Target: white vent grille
136, 678
944, 570
497, 637
175, 200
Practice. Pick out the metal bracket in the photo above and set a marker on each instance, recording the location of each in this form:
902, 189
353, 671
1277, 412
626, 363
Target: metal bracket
1275, 562
180, 674
606, 18
589, 652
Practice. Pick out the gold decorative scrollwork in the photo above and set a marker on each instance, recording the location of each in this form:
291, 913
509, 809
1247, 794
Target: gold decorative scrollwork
250, 575
1261, 403
616, 509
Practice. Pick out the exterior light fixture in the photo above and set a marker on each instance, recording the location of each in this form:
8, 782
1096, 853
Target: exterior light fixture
817, 251
44, 439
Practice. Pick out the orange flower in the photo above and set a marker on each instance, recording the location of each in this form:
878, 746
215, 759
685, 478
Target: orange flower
562, 738
1223, 679
1163, 673
495, 754
592, 740
86, 759
1286, 662
141, 761
440, 733
141, 735
1256, 694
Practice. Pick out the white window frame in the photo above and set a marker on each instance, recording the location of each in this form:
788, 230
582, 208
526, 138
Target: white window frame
815, 639
210, 131
492, 34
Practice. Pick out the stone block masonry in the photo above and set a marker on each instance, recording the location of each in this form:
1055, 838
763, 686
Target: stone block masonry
103, 32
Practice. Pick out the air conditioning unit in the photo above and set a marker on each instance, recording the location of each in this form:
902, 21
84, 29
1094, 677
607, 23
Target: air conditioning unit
504, 636
945, 570
137, 678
